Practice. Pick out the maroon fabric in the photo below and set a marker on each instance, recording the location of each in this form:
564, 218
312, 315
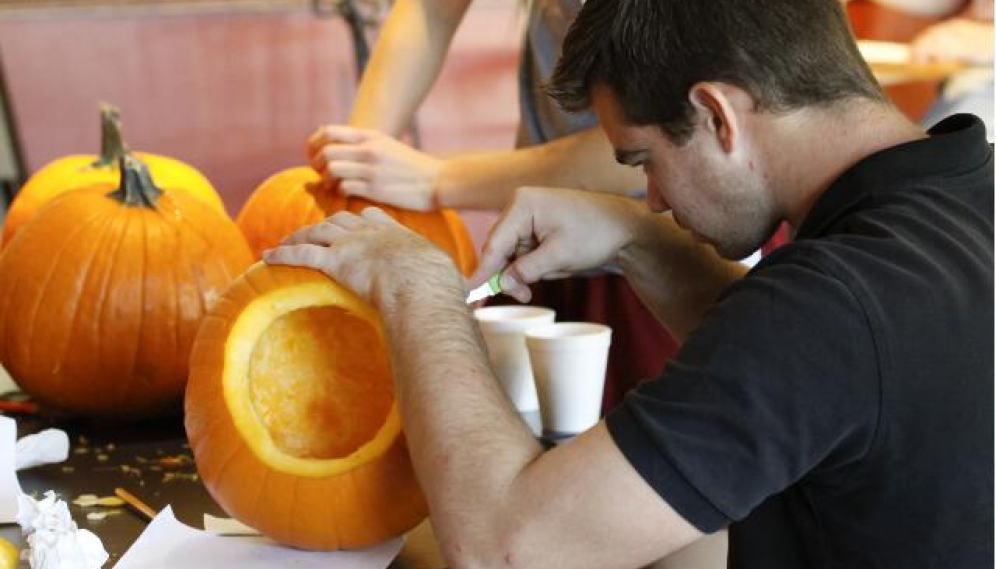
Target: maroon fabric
640, 344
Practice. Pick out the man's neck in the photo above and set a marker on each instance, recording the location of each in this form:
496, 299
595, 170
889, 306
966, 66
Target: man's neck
816, 146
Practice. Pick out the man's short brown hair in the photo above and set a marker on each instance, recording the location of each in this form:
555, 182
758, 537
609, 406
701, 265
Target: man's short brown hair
786, 53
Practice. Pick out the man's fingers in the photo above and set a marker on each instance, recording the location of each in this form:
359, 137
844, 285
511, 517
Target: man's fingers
511, 284
376, 214
500, 246
491, 261
346, 220
318, 234
305, 254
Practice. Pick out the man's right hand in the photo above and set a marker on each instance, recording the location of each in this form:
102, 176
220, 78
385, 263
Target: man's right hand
548, 233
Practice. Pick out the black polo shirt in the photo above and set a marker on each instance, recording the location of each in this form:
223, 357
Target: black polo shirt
835, 408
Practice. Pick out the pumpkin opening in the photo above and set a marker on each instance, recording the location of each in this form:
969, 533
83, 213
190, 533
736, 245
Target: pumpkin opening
308, 382
341, 397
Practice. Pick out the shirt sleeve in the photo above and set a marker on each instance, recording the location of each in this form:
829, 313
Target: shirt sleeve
779, 385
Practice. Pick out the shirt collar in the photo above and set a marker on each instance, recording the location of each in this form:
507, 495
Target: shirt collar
956, 144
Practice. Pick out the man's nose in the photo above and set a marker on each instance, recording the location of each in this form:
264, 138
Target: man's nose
655, 201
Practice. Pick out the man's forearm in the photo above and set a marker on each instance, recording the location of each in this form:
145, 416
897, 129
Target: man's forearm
467, 443
583, 160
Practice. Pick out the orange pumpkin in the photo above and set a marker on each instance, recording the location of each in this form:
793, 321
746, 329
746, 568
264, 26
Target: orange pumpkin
291, 415
79, 170
297, 197
102, 293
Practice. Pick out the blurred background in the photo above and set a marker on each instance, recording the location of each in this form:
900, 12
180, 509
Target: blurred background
231, 87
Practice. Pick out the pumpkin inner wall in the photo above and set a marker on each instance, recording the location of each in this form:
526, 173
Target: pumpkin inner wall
319, 384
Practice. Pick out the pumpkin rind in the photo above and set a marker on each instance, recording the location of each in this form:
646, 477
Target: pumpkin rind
79, 171
297, 197
337, 502
100, 301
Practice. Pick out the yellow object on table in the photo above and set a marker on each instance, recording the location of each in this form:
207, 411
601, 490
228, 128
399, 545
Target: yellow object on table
9, 555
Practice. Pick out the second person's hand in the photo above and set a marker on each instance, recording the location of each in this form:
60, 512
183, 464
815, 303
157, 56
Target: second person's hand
375, 166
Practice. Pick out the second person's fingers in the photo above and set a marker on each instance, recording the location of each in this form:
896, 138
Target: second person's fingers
349, 170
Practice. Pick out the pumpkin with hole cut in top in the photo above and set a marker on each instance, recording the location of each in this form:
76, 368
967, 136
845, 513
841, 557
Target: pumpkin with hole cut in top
82, 170
297, 197
101, 295
291, 416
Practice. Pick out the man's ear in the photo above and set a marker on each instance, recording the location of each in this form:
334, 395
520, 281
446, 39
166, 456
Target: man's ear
718, 108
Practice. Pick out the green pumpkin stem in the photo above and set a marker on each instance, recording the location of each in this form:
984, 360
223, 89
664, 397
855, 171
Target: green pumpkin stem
112, 146
137, 188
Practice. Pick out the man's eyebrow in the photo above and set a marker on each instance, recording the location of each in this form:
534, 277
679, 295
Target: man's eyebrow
630, 157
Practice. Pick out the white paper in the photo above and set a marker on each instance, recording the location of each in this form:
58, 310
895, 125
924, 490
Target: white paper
168, 544
54, 540
6, 383
10, 488
46, 447
226, 526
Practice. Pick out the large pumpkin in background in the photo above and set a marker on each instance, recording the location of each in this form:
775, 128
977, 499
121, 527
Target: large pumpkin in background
297, 197
101, 295
83, 170
291, 415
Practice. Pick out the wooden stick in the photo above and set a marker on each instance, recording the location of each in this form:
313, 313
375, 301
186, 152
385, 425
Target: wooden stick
140, 506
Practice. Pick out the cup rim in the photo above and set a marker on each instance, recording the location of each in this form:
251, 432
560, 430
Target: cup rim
583, 333
513, 313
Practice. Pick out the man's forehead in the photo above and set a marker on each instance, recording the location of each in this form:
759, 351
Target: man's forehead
623, 135
606, 106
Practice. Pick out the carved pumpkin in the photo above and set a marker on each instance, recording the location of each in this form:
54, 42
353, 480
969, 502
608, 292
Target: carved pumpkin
291, 416
297, 197
102, 293
78, 171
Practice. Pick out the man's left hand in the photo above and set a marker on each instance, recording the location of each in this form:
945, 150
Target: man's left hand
373, 255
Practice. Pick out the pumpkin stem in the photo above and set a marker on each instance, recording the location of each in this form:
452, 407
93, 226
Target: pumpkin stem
137, 188
112, 146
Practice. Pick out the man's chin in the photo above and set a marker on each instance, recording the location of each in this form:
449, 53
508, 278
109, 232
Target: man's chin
731, 252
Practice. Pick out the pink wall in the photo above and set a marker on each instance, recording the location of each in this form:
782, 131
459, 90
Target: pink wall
235, 95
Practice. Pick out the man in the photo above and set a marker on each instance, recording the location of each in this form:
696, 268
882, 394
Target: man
833, 407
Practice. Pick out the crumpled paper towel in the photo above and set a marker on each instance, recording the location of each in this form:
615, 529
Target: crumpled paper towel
54, 541
45, 447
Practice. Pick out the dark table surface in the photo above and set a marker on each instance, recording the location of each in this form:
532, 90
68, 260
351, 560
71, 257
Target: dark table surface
152, 460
